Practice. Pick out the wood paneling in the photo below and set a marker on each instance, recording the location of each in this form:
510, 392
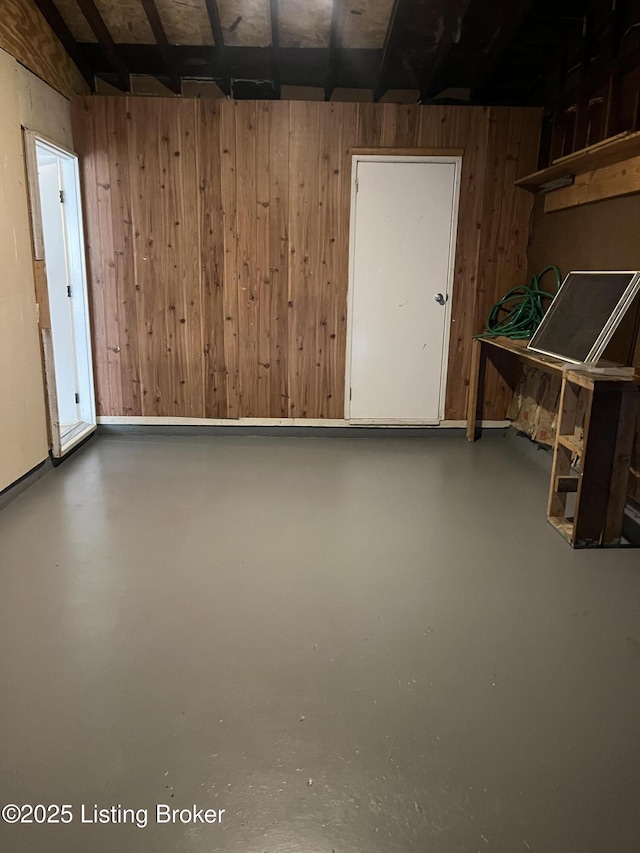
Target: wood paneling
219, 246
25, 34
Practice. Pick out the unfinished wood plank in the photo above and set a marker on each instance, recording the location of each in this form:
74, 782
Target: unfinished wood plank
105, 283
623, 146
618, 487
230, 215
212, 258
278, 259
476, 389
369, 132
42, 294
51, 393
248, 259
612, 181
596, 466
414, 151
263, 317
332, 293
122, 264
84, 125
303, 259
25, 34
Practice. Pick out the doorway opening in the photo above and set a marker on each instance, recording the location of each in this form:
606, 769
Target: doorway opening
67, 344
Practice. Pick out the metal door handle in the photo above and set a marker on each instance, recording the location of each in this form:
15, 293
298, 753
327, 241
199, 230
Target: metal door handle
440, 299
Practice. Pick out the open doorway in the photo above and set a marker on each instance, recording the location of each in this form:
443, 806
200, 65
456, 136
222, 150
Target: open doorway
67, 345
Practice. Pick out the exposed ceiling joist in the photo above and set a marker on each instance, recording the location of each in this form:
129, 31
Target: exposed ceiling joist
151, 11
98, 26
216, 29
335, 43
381, 87
452, 20
62, 31
275, 46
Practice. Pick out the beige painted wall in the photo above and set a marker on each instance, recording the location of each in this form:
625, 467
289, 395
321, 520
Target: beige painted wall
24, 99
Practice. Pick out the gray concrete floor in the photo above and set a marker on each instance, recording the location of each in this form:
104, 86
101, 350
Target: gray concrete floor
350, 645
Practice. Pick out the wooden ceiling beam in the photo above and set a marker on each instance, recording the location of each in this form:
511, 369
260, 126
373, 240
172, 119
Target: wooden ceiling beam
335, 44
516, 12
381, 83
218, 38
275, 46
168, 56
453, 17
106, 42
55, 20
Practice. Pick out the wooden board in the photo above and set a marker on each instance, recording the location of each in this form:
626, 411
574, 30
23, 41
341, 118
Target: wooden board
260, 272
25, 34
75, 20
245, 23
618, 179
304, 24
365, 23
605, 153
126, 21
186, 22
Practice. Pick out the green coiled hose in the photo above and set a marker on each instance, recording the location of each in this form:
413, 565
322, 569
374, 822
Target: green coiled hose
518, 314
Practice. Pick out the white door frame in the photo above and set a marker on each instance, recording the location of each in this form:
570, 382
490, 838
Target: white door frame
75, 247
456, 161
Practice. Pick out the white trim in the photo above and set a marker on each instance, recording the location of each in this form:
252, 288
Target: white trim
455, 160
76, 258
77, 438
115, 420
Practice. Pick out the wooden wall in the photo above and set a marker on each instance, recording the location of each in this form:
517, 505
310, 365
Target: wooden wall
218, 236
26, 35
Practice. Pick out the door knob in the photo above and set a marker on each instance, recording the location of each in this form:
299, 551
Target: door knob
440, 299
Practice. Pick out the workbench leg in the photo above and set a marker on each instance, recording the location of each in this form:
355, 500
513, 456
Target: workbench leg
621, 465
475, 402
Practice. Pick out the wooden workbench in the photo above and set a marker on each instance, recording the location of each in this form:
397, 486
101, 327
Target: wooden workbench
590, 460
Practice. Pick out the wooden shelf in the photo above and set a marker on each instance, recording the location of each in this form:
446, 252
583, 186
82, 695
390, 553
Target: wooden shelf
625, 146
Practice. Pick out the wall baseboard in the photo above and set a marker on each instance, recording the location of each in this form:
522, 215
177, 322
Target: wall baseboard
117, 420
12, 491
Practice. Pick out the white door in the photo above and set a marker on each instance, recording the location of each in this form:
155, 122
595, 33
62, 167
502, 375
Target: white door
59, 287
404, 216
70, 382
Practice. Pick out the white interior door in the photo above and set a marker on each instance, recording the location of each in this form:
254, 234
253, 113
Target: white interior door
70, 383
59, 287
404, 216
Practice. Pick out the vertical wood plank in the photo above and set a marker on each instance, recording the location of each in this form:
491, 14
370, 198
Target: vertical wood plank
248, 259
104, 284
212, 258
123, 260
230, 214
304, 260
279, 258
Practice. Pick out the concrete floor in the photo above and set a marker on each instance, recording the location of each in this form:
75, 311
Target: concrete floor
350, 645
